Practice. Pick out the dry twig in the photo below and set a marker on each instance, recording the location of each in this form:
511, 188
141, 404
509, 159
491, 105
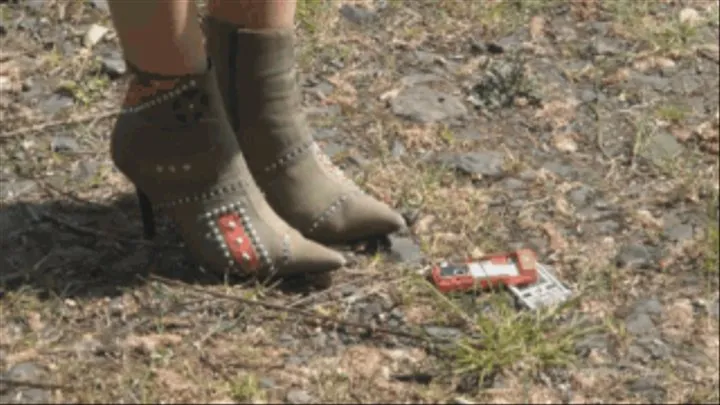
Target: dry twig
56, 123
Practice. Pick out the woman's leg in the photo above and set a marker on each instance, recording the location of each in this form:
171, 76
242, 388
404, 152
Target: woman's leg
255, 14
160, 36
174, 142
252, 43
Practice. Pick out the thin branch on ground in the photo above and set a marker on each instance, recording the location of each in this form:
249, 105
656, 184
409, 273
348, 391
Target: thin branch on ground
57, 123
306, 314
11, 383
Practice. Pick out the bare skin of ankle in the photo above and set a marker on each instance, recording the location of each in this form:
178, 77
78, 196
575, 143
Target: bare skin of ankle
255, 14
160, 36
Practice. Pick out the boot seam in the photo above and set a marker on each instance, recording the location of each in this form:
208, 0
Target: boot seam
232, 96
214, 192
288, 158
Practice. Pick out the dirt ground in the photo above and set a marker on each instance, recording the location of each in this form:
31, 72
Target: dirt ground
585, 130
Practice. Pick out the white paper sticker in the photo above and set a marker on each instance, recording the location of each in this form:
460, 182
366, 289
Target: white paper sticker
487, 269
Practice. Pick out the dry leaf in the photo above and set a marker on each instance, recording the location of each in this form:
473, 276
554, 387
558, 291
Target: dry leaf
34, 322
689, 16
620, 75
706, 131
653, 62
21, 357
9, 77
477, 253
448, 237
173, 381
563, 206
564, 143
365, 361
557, 242
537, 27
647, 219
681, 134
150, 343
680, 317
423, 224
94, 35
389, 95
419, 314
558, 113
664, 62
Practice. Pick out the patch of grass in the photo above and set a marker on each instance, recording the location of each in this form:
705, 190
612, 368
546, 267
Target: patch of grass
712, 244
246, 389
497, 17
512, 340
507, 339
673, 113
86, 91
311, 14
661, 30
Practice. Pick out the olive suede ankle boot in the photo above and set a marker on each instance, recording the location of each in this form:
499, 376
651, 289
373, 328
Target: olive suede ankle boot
174, 142
256, 74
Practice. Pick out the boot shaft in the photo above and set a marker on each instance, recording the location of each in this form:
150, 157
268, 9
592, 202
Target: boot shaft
256, 72
171, 137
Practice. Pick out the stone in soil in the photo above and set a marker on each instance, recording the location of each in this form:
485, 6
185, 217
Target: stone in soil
101, 5
86, 170
605, 47
588, 96
64, 143
113, 64
405, 250
470, 134
267, 383
357, 15
650, 306
648, 83
443, 333
590, 342
322, 134
513, 184
661, 147
648, 348
636, 256
94, 35
298, 396
676, 230
686, 83
55, 103
638, 324
649, 388
489, 164
23, 395
560, 169
398, 149
331, 149
581, 196
15, 189
425, 105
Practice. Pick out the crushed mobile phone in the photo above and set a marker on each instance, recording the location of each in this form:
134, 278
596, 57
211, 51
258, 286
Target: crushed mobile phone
531, 282
547, 291
513, 268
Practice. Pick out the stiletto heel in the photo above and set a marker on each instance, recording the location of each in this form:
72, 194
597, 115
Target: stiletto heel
148, 218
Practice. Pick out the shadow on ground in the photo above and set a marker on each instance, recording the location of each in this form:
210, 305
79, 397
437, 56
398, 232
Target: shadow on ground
60, 248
